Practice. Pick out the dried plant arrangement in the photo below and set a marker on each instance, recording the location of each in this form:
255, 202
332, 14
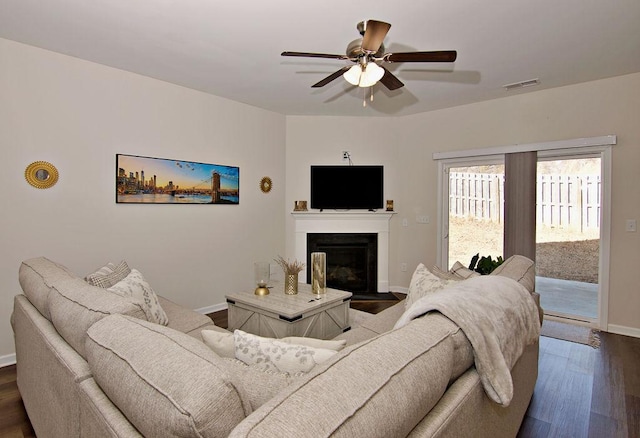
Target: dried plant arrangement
290, 268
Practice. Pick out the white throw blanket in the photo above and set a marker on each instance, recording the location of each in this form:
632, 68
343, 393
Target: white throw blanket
498, 316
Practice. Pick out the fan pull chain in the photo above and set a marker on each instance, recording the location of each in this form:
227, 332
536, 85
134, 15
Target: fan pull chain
364, 96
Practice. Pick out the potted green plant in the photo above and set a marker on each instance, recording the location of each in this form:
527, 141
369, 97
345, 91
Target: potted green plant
484, 265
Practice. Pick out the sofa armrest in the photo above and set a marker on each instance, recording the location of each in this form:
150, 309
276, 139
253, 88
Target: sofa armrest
100, 417
186, 320
45, 360
536, 298
384, 321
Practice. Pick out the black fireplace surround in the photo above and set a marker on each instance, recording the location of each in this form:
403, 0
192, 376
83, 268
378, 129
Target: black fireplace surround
352, 260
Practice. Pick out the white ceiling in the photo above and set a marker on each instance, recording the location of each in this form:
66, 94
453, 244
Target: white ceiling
232, 48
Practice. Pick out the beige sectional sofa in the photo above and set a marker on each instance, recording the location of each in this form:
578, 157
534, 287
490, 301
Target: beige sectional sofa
89, 364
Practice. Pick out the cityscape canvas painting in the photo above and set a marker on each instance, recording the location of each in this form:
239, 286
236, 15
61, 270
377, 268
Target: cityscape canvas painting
146, 180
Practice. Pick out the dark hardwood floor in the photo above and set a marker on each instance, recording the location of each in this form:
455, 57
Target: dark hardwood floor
586, 392
581, 391
13, 418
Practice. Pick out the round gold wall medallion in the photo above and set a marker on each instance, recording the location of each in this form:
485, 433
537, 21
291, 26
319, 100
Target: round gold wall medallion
41, 174
266, 184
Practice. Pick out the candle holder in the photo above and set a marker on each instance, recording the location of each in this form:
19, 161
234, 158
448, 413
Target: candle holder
262, 272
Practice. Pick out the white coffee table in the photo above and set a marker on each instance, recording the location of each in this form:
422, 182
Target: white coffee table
278, 315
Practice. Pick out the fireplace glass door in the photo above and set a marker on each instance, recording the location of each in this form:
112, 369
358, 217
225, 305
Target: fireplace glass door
351, 260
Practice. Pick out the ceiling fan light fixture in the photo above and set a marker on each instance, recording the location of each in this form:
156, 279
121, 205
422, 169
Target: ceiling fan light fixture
353, 74
369, 50
371, 75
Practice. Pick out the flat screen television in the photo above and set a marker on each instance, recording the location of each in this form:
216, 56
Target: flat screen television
347, 187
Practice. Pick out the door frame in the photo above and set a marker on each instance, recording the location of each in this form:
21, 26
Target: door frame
563, 148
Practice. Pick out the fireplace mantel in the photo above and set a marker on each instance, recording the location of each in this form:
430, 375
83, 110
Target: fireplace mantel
346, 222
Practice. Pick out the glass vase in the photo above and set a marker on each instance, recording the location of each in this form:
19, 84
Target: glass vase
318, 273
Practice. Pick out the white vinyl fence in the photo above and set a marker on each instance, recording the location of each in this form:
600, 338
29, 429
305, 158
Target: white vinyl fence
568, 201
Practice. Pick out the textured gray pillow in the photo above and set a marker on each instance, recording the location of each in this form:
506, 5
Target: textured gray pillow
462, 272
108, 275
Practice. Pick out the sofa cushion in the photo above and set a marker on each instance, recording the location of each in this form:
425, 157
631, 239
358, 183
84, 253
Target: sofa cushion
520, 269
374, 325
75, 306
136, 288
357, 335
259, 385
384, 321
423, 282
275, 355
36, 276
165, 382
186, 320
382, 387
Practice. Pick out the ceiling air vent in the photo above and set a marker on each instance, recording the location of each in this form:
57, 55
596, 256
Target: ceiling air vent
523, 84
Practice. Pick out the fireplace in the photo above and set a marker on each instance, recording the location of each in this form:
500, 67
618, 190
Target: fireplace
309, 222
352, 260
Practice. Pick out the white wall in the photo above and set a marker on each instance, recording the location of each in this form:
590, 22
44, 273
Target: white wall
321, 140
405, 146
78, 115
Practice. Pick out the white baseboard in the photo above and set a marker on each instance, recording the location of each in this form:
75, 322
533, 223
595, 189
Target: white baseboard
624, 330
402, 290
213, 308
9, 359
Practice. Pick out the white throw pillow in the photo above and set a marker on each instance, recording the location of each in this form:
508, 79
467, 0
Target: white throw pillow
423, 282
134, 286
275, 355
316, 343
223, 344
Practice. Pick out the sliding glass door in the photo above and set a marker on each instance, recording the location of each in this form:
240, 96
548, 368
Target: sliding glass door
475, 211
568, 236
572, 217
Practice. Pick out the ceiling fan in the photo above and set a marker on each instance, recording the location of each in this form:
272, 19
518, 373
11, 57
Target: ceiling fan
367, 52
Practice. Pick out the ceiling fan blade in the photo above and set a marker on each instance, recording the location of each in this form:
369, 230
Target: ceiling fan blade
331, 77
441, 56
390, 80
313, 55
374, 34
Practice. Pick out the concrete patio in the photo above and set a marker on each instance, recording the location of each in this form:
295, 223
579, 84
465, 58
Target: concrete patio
568, 297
